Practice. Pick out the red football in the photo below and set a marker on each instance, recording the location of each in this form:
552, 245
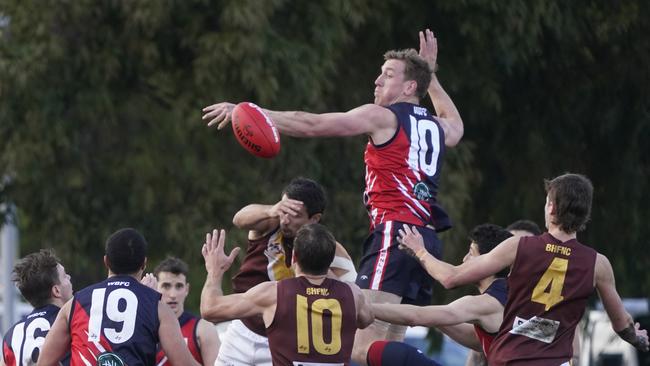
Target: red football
255, 131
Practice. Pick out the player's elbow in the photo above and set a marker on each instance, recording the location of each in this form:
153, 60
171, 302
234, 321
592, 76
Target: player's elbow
413, 319
211, 313
238, 221
448, 282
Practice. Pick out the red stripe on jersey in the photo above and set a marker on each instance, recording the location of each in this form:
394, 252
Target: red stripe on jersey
485, 338
83, 350
8, 354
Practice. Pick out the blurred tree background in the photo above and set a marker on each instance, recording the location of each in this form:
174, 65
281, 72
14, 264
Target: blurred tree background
100, 116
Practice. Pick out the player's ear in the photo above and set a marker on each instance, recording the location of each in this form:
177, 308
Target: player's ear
106, 263
411, 87
144, 264
55, 292
315, 218
550, 205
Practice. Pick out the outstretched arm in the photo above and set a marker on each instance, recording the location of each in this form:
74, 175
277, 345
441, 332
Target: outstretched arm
368, 119
448, 115
473, 309
622, 321
216, 307
469, 272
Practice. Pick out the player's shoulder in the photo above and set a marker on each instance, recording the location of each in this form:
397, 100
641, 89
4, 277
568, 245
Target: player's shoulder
374, 113
602, 264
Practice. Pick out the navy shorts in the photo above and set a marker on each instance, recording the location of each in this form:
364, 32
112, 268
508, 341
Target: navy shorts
387, 268
386, 353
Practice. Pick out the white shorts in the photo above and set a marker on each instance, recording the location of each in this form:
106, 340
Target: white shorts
241, 346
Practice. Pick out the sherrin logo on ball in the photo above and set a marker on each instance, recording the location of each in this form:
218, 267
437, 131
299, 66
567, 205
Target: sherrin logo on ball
255, 131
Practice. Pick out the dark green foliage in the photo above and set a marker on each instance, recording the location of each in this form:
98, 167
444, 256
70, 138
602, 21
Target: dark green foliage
100, 116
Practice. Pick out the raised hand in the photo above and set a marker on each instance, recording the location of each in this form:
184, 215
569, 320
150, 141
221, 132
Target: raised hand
216, 260
410, 239
220, 113
429, 48
150, 281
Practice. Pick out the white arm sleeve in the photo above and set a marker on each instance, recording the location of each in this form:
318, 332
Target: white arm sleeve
347, 265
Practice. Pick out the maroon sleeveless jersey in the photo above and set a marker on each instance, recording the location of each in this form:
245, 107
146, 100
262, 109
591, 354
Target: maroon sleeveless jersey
313, 323
267, 259
549, 286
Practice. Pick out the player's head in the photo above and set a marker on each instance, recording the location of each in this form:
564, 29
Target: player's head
126, 252
312, 195
568, 202
524, 228
404, 75
313, 249
42, 280
172, 283
484, 238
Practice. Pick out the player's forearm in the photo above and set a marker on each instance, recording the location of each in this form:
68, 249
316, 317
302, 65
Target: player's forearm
251, 216
210, 295
396, 314
439, 270
295, 123
447, 111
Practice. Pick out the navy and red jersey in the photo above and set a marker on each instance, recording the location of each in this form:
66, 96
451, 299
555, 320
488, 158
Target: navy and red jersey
117, 317
402, 174
23, 341
189, 326
499, 290
391, 353
549, 285
267, 259
312, 323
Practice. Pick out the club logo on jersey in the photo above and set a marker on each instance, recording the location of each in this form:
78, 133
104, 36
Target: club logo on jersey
421, 191
420, 111
109, 359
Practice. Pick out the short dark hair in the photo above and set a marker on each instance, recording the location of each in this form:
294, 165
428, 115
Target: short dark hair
126, 250
571, 195
487, 237
314, 248
525, 225
35, 274
415, 68
309, 192
172, 265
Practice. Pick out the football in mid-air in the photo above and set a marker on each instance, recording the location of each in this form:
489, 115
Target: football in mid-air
255, 131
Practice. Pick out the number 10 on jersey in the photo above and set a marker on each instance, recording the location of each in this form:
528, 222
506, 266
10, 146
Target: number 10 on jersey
317, 340
425, 146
